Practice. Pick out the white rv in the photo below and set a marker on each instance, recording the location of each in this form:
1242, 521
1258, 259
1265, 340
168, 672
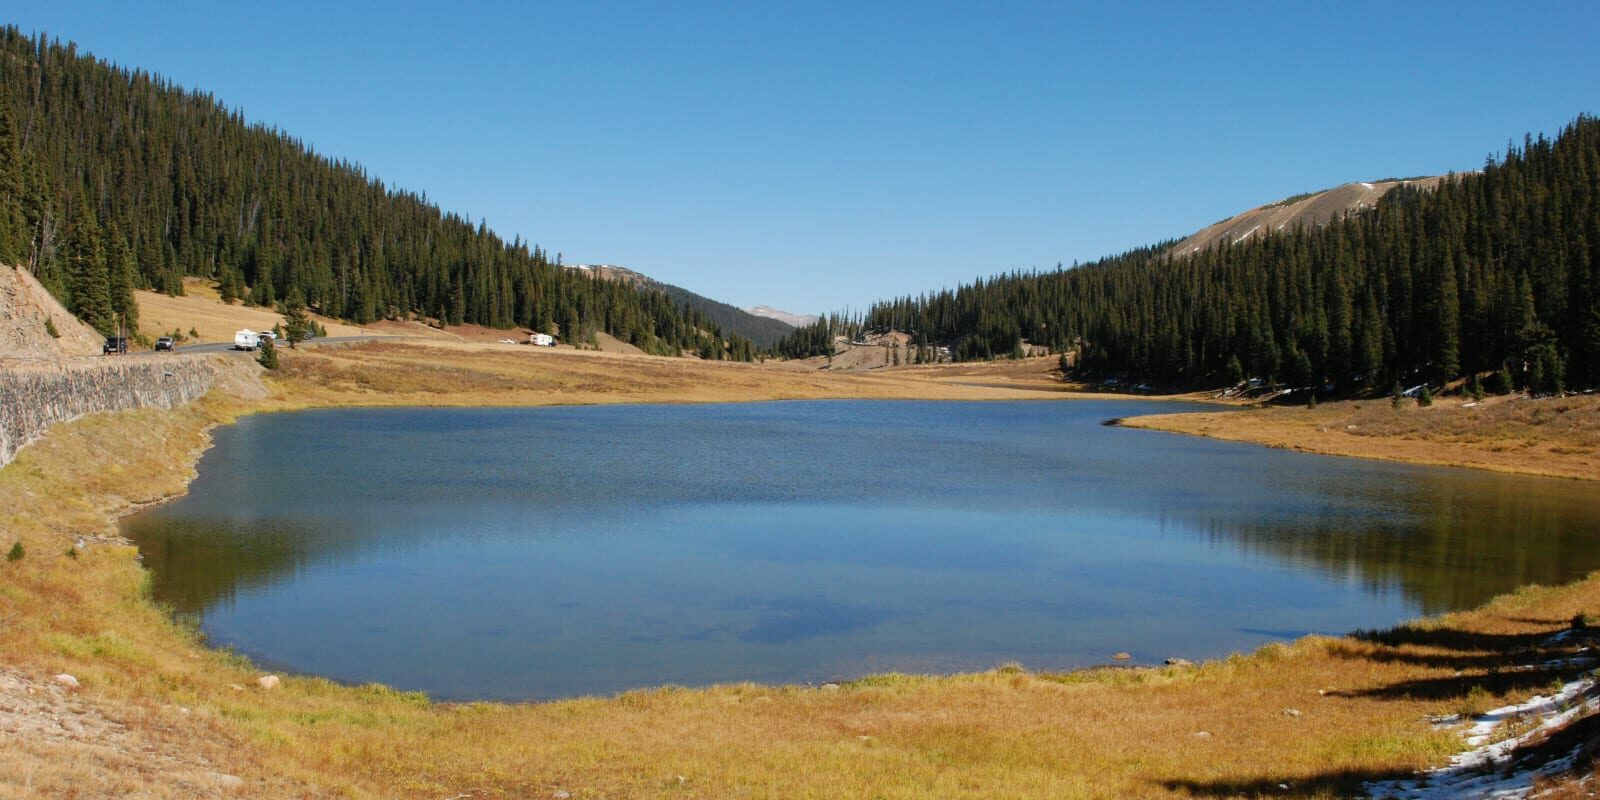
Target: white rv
542, 340
246, 340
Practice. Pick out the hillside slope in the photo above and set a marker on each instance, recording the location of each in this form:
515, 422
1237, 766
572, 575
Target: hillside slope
25, 306
130, 173
1307, 210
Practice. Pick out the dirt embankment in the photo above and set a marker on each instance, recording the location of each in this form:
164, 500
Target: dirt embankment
28, 314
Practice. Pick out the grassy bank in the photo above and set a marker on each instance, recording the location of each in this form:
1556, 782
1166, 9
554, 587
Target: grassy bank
157, 713
1558, 437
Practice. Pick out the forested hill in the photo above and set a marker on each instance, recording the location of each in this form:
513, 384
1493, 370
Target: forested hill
112, 179
1498, 270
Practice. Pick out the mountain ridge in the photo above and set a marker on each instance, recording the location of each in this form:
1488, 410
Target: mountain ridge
761, 329
1310, 209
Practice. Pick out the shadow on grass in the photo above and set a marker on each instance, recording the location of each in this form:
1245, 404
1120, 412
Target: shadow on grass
1498, 683
1459, 640
1331, 784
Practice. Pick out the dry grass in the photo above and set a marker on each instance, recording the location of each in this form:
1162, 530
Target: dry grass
188, 715
1554, 436
203, 311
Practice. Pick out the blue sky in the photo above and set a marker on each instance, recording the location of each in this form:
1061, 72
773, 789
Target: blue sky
818, 156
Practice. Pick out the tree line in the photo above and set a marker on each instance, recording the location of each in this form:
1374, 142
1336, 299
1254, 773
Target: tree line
1496, 271
113, 179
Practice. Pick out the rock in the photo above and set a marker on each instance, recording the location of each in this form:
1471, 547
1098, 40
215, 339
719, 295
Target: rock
1202, 734
1121, 656
829, 687
561, 794
238, 687
66, 680
268, 682
1179, 662
1291, 712
227, 781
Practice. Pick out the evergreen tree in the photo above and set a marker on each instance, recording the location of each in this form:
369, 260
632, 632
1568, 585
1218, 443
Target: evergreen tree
86, 267
121, 275
13, 223
268, 357
297, 324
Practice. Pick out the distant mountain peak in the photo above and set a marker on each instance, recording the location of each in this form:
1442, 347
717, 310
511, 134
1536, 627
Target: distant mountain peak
786, 317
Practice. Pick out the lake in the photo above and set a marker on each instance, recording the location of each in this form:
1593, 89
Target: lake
522, 554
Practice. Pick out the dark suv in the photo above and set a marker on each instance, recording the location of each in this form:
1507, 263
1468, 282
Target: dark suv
114, 344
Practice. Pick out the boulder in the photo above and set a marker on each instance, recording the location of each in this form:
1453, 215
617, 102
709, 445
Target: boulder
66, 680
268, 682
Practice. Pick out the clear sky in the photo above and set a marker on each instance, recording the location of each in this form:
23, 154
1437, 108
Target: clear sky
817, 156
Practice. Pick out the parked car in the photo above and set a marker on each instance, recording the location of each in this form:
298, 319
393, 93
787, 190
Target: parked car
114, 344
268, 335
164, 343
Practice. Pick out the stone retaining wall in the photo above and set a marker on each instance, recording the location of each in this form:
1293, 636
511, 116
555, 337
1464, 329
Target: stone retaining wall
35, 395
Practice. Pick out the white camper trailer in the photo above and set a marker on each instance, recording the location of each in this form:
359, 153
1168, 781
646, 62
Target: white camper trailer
542, 340
246, 340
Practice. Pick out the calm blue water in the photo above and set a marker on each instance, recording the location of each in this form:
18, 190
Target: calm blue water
536, 553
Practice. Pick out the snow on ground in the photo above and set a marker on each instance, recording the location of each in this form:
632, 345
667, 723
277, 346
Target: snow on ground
1480, 772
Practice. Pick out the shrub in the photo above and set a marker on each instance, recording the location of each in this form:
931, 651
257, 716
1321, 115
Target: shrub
16, 553
1477, 701
1424, 397
1500, 382
50, 328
